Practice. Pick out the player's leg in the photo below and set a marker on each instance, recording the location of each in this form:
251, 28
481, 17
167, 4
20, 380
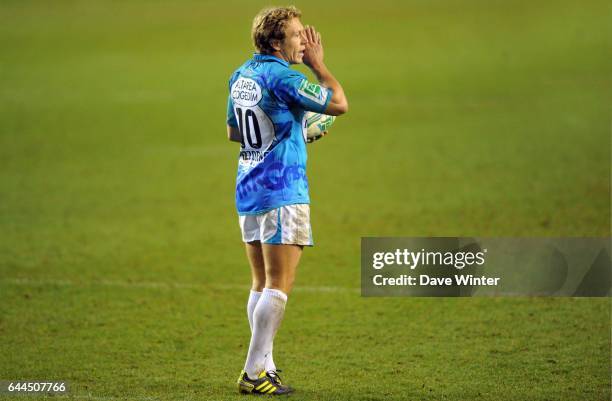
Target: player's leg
281, 262
249, 226
258, 276
258, 268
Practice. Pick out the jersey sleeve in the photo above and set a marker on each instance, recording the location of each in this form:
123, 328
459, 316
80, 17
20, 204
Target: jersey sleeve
231, 116
294, 89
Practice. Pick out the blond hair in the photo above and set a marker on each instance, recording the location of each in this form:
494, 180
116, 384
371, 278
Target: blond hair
269, 25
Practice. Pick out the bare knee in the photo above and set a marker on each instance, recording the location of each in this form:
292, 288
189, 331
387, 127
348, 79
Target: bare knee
258, 285
258, 279
258, 270
281, 263
289, 284
276, 283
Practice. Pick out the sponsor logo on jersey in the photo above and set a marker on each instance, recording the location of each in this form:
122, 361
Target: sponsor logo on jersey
274, 177
246, 92
314, 92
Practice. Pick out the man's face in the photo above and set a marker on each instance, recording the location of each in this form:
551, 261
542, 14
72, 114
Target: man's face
292, 47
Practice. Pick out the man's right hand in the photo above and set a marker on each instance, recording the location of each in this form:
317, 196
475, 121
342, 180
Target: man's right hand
313, 54
313, 58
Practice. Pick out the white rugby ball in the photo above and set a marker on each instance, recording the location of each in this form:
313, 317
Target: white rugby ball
317, 125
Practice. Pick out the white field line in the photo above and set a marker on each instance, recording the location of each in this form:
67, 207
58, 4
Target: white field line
160, 285
102, 398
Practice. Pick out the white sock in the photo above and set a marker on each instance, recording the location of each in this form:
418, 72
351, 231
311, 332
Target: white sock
267, 317
253, 298
252, 302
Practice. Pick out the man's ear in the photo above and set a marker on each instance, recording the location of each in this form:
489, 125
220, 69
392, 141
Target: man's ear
275, 44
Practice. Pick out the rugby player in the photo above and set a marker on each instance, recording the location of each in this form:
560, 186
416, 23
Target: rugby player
265, 113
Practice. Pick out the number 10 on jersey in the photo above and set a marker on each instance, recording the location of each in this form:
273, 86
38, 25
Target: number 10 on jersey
256, 128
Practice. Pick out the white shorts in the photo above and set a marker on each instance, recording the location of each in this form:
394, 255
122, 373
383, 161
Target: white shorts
285, 225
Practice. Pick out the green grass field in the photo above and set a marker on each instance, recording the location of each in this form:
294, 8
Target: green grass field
121, 268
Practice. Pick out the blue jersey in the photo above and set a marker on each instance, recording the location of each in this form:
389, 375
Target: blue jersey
267, 103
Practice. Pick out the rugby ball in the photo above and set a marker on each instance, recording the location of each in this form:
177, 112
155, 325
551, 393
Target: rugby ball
317, 125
